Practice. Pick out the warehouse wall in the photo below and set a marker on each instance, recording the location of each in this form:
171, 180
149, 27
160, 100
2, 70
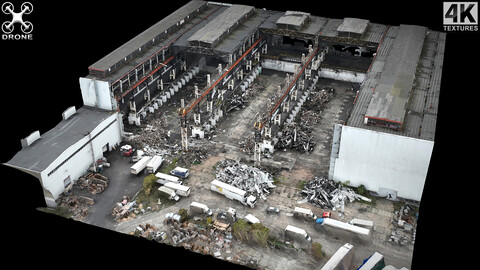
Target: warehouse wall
79, 162
381, 160
97, 93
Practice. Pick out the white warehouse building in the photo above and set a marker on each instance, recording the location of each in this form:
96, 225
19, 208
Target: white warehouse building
387, 142
67, 151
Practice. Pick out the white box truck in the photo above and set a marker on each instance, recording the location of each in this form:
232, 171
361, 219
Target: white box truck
164, 178
154, 164
180, 172
196, 207
179, 189
251, 219
299, 212
140, 165
297, 233
233, 193
170, 192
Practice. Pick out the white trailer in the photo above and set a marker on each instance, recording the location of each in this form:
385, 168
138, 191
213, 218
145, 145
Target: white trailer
297, 233
154, 164
342, 259
164, 178
140, 165
196, 207
179, 189
304, 213
345, 226
233, 193
170, 192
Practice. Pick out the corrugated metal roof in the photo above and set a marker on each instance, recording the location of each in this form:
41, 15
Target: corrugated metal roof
353, 25
293, 18
420, 118
215, 29
236, 38
393, 91
39, 155
147, 35
311, 27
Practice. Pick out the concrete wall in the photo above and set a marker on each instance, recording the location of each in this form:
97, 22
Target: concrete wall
279, 65
97, 93
342, 75
381, 160
79, 162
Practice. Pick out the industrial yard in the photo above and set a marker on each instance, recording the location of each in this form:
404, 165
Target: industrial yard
260, 138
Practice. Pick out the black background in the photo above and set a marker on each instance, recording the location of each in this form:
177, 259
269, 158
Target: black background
39, 80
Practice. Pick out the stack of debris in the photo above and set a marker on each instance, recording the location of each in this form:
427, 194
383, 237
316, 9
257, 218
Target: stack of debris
247, 146
236, 102
242, 176
77, 205
317, 100
150, 232
154, 134
404, 226
93, 182
194, 156
326, 193
124, 210
297, 137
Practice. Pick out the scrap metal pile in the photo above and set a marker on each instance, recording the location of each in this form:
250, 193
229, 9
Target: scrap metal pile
242, 176
326, 193
297, 135
404, 226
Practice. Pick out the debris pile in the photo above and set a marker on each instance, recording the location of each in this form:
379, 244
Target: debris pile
317, 100
150, 232
194, 156
124, 210
297, 137
242, 176
77, 205
247, 146
154, 134
236, 102
93, 182
404, 226
326, 193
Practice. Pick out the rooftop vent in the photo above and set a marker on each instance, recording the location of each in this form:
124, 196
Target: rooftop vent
69, 112
30, 139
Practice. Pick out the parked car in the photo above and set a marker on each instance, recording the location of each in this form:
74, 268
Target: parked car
272, 209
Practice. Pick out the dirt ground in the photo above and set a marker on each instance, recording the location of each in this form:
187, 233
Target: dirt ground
290, 169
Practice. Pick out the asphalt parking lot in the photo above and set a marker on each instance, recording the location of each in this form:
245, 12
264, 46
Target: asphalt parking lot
121, 183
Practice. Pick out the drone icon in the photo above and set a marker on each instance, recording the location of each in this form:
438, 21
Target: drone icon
7, 8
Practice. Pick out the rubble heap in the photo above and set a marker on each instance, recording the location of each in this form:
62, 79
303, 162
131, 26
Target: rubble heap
297, 137
124, 210
77, 205
326, 193
242, 176
404, 226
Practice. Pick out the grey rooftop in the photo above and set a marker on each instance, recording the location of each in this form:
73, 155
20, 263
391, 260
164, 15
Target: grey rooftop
212, 32
353, 25
41, 153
